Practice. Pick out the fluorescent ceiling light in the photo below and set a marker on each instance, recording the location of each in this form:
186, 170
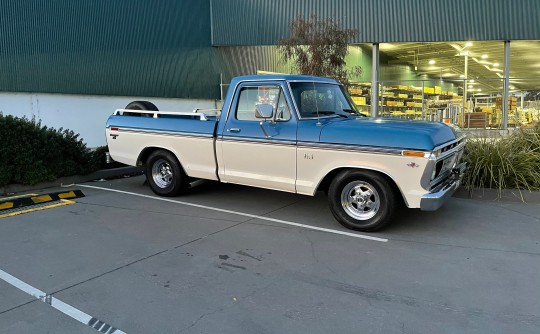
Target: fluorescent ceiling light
431, 62
484, 56
495, 65
470, 86
462, 76
479, 89
472, 80
468, 44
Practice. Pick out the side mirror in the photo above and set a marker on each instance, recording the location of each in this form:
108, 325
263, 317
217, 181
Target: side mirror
264, 111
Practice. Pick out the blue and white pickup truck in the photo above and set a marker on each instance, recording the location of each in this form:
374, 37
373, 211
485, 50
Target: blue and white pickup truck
299, 134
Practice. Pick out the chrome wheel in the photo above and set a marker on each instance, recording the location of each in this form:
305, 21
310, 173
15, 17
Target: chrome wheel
360, 200
162, 173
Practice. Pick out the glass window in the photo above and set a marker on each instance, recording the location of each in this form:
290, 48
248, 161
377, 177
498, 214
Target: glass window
283, 113
321, 99
250, 97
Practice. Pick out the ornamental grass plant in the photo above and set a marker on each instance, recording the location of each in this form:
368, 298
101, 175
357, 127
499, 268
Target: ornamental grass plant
511, 162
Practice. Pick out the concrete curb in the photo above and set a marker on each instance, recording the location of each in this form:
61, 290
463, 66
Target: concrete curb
98, 175
507, 195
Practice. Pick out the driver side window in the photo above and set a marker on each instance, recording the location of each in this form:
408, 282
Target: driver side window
250, 97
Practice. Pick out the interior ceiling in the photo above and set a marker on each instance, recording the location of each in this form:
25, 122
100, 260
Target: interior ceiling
449, 63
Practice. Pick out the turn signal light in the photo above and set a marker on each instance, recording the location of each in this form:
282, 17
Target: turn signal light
413, 154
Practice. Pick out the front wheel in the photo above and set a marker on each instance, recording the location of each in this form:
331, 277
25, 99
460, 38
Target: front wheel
362, 200
164, 174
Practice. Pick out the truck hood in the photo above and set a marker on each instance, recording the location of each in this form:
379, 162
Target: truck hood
380, 132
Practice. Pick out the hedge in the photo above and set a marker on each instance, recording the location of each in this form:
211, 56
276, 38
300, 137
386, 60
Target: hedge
31, 153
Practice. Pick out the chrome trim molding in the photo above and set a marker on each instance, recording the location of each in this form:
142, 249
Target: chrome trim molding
163, 133
265, 141
352, 148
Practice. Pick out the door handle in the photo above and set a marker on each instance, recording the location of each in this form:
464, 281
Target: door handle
234, 130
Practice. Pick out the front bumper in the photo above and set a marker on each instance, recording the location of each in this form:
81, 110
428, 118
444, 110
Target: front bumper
434, 200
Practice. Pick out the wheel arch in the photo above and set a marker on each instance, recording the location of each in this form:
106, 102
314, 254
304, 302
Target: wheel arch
331, 175
147, 151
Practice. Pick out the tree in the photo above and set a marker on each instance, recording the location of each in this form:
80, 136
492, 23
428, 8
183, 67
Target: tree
318, 47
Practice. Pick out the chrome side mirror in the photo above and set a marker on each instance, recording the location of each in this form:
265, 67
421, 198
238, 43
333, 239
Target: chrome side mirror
264, 111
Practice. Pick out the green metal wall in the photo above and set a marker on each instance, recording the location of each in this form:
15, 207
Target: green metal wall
137, 47
166, 48
264, 22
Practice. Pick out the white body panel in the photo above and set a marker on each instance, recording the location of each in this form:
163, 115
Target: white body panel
195, 154
264, 165
315, 163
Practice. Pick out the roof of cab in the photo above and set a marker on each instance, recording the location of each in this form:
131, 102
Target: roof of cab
283, 77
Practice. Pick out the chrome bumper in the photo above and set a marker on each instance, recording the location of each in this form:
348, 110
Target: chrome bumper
434, 200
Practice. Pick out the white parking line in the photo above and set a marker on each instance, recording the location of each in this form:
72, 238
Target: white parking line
354, 235
68, 310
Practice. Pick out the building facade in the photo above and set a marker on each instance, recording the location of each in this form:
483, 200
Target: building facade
424, 59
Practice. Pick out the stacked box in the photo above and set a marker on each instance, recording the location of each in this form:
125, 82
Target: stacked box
437, 90
403, 96
359, 100
429, 90
411, 104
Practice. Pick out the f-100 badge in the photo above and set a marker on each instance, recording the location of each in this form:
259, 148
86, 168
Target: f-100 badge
413, 165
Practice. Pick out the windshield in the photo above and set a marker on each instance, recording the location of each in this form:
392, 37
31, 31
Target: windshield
315, 98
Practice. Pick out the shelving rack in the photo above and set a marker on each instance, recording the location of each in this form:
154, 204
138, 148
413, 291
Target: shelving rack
404, 101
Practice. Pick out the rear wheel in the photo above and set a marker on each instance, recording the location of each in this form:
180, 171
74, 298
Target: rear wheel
142, 105
164, 174
362, 200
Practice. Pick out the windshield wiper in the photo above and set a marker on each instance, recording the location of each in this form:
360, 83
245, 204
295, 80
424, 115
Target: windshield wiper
353, 112
329, 113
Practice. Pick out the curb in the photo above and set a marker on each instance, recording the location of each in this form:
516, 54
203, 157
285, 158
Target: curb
493, 195
98, 175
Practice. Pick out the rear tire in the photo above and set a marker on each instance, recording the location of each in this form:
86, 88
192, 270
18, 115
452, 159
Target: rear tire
362, 200
141, 105
164, 174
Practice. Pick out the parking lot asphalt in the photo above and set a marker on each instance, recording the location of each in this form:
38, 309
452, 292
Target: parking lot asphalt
147, 265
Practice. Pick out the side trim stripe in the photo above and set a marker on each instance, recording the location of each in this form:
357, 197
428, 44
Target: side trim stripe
166, 133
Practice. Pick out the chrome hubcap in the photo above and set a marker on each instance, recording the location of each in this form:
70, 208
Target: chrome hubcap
360, 200
162, 173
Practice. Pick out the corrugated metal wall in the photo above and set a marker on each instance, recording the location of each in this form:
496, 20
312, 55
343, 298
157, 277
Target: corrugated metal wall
264, 22
136, 47
164, 47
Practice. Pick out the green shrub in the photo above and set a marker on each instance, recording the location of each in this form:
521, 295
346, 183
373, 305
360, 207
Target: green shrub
32, 153
505, 163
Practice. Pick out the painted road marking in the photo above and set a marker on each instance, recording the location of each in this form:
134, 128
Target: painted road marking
285, 222
67, 309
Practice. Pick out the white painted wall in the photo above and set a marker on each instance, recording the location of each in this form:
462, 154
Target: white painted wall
84, 114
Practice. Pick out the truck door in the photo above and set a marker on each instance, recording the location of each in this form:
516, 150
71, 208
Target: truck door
249, 155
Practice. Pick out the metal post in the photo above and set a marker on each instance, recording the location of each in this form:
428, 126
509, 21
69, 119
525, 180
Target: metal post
506, 86
423, 101
375, 81
466, 74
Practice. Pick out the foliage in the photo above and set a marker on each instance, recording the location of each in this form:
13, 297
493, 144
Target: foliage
505, 163
318, 47
32, 153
